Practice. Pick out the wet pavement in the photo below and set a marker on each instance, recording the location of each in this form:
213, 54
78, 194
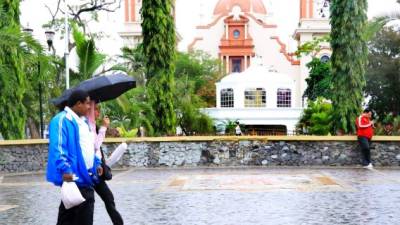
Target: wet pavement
282, 196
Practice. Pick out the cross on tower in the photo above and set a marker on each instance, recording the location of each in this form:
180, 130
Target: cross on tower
236, 12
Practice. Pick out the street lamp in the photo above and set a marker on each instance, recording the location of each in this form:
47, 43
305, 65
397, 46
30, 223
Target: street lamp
30, 32
49, 37
66, 49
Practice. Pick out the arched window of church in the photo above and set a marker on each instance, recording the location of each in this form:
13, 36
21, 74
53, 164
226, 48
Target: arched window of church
284, 98
255, 97
227, 99
236, 34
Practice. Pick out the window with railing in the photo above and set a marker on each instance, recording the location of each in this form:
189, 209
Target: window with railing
284, 98
227, 99
255, 97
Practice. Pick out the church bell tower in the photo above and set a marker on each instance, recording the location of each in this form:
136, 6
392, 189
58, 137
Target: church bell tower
313, 23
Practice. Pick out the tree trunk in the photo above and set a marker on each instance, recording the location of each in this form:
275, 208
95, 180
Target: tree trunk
33, 128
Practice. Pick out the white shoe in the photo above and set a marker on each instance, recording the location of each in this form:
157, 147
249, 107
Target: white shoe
369, 166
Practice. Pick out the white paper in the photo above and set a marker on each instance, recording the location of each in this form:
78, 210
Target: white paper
70, 195
117, 154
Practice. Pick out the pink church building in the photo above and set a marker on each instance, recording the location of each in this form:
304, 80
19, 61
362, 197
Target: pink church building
265, 81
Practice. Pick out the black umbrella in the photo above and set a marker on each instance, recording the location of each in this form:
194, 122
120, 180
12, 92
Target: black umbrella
100, 88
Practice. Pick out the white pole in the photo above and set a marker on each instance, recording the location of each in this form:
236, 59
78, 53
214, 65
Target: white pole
245, 31
66, 52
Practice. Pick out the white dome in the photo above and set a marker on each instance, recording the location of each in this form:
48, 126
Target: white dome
257, 74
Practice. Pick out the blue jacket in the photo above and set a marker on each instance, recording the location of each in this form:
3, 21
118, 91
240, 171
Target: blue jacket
65, 154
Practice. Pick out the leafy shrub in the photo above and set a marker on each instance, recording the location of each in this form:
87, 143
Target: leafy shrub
389, 125
316, 119
127, 133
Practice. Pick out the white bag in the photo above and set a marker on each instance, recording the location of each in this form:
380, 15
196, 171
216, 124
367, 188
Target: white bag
116, 155
70, 195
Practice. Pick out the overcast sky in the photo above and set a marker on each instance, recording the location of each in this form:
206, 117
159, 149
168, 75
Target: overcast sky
189, 13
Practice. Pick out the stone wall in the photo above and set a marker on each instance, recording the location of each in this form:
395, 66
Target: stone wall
22, 158
219, 152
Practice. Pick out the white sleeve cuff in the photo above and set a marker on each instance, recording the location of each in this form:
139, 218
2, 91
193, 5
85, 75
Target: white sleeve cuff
103, 129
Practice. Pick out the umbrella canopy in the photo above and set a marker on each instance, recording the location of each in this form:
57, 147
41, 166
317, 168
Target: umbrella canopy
100, 88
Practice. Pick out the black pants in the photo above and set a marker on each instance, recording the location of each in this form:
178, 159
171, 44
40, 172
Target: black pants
365, 144
78, 215
106, 195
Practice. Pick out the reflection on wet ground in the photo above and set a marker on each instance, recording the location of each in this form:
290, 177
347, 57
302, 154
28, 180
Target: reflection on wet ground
222, 196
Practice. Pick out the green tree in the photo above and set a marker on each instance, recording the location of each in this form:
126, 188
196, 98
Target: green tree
12, 77
312, 47
373, 26
319, 81
317, 118
133, 63
132, 109
159, 44
23, 68
195, 73
89, 58
349, 59
383, 77
202, 71
320, 75
40, 74
188, 104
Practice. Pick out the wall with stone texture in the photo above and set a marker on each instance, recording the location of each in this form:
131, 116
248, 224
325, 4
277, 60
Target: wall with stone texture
219, 152
22, 158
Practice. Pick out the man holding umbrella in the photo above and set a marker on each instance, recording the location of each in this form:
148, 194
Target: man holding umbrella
100, 89
72, 159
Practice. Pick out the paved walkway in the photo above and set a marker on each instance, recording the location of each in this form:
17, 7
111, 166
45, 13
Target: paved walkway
222, 196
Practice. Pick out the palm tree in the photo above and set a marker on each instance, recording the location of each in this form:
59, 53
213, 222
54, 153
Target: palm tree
89, 58
20, 56
133, 63
133, 109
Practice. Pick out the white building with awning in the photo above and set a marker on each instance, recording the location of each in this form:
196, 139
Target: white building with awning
260, 98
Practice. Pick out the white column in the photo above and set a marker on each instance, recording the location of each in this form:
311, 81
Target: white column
222, 60
245, 31
218, 96
245, 63
129, 10
304, 72
307, 12
239, 96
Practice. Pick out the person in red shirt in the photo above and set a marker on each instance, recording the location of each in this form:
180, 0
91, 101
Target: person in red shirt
365, 131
